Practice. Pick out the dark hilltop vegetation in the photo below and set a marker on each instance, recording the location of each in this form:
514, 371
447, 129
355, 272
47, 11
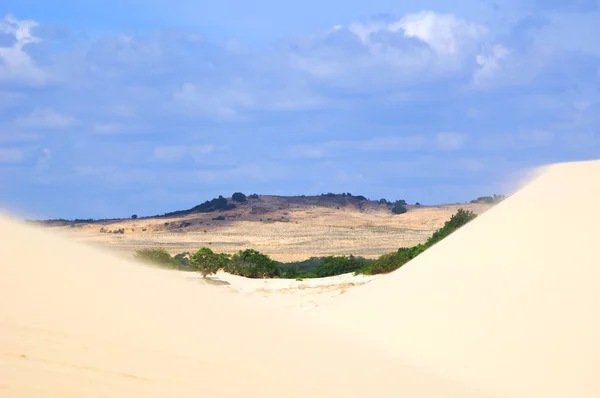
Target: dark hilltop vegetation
266, 203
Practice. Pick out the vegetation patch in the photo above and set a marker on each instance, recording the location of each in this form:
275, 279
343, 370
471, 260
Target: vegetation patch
251, 263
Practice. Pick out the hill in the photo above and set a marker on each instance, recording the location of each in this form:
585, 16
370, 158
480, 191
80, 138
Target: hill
287, 228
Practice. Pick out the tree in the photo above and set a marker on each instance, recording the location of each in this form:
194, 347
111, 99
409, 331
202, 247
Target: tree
238, 197
133, 217
253, 264
207, 262
399, 208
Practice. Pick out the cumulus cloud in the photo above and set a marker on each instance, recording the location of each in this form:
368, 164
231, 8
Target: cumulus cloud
45, 118
418, 47
16, 65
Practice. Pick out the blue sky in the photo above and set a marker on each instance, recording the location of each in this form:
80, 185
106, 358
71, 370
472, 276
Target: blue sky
115, 108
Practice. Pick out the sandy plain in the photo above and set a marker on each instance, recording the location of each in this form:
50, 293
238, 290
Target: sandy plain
307, 230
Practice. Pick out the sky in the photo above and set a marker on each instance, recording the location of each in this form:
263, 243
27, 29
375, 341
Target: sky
110, 108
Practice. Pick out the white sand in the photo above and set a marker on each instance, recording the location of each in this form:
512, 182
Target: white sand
290, 293
75, 322
509, 303
506, 306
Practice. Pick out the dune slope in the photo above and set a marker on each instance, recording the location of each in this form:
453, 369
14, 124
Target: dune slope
508, 303
75, 322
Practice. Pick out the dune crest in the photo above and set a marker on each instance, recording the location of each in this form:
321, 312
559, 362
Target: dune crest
508, 303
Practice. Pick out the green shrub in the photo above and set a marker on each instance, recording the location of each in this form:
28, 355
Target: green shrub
207, 262
392, 261
160, 257
459, 219
253, 264
337, 265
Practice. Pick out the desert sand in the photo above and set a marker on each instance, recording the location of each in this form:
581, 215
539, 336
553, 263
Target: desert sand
504, 307
77, 322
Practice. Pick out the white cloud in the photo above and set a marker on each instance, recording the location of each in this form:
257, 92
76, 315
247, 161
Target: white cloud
11, 155
208, 101
377, 144
44, 161
307, 151
490, 66
170, 153
109, 128
444, 33
582, 105
200, 152
417, 47
174, 153
45, 118
16, 137
15, 64
449, 141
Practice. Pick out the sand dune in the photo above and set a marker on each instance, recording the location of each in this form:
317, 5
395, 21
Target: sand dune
76, 322
505, 307
509, 303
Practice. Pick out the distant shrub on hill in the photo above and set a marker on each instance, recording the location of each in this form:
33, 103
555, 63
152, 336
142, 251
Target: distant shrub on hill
489, 199
238, 197
399, 207
253, 196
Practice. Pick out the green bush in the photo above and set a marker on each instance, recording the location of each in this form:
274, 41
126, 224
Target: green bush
392, 261
253, 264
160, 257
459, 219
207, 262
337, 265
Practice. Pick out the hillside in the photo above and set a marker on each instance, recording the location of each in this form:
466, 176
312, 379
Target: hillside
286, 228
